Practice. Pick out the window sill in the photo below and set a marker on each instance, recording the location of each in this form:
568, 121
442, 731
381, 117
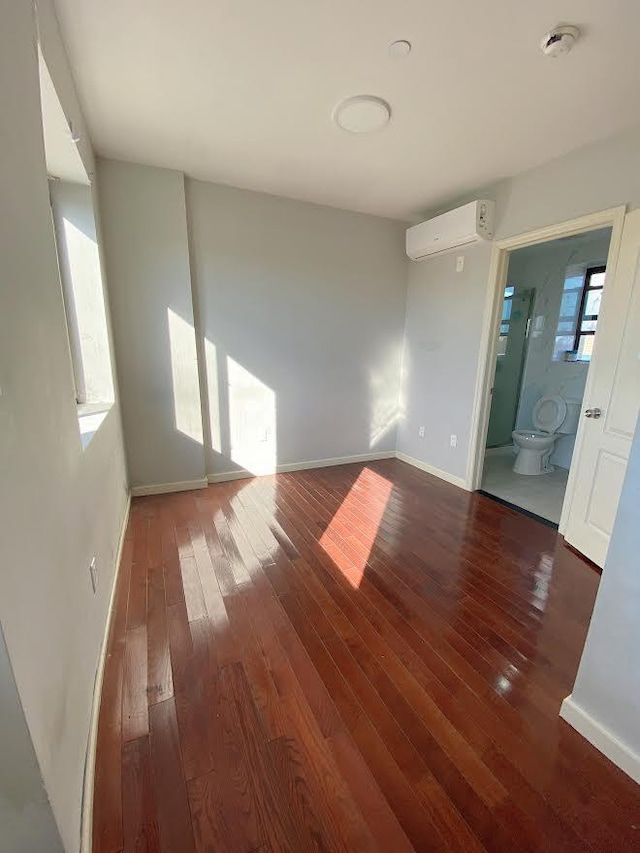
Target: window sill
90, 418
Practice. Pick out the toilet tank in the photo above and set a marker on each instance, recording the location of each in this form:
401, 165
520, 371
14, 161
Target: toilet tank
570, 423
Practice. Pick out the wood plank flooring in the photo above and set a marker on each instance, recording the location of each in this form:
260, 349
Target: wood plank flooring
352, 658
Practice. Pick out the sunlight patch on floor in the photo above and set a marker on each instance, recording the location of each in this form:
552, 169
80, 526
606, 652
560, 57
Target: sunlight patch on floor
352, 532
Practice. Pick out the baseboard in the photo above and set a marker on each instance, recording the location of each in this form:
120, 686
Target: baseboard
226, 476
504, 450
437, 472
601, 738
165, 488
338, 460
86, 823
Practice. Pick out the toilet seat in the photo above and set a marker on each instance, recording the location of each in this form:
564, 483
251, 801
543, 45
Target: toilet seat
549, 414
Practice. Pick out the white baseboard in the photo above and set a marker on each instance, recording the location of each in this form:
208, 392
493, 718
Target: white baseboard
338, 460
165, 488
504, 450
431, 469
86, 824
226, 476
601, 738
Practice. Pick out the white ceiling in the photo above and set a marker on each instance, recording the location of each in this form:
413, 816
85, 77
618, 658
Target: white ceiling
242, 91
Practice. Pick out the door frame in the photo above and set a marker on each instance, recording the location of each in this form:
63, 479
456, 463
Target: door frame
523, 363
613, 218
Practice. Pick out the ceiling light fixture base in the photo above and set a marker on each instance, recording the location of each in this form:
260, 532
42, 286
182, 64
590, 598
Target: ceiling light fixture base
362, 114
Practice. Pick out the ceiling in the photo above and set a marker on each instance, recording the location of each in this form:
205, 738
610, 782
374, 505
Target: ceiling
242, 91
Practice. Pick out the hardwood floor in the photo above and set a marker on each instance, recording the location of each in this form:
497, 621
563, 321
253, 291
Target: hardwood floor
351, 658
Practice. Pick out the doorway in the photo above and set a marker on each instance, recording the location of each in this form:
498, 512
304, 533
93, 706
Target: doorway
510, 359
545, 337
611, 397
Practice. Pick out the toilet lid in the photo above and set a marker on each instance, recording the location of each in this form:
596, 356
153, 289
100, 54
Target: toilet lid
549, 413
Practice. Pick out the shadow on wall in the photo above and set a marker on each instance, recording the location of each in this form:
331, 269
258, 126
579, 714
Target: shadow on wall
242, 415
236, 417
241, 411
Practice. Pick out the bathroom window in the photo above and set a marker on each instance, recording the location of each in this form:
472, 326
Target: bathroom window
579, 310
589, 312
505, 320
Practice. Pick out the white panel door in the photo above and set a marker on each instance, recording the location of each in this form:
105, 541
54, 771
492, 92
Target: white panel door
613, 389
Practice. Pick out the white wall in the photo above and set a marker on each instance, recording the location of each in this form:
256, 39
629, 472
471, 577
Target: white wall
442, 337
297, 310
147, 262
304, 305
593, 178
607, 687
59, 505
543, 269
27, 824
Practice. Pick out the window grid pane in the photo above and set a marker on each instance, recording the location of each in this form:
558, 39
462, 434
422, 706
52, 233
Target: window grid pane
589, 312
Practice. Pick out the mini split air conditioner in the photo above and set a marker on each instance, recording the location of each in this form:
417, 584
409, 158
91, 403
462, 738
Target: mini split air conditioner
464, 226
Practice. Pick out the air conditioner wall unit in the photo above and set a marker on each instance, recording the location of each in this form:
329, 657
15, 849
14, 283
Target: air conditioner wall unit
464, 226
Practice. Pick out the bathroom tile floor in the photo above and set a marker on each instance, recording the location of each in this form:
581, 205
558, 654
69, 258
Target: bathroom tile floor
542, 495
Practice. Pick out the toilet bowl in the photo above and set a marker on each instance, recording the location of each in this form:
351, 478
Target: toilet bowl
553, 417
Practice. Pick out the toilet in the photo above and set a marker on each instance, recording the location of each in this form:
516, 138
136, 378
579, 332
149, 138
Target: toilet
552, 417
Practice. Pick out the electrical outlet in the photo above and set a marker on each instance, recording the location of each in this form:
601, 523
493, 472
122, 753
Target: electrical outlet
454, 441
460, 263
93, 571
421, 432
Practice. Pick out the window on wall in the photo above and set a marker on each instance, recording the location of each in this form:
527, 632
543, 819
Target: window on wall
505, 321
589, 312
78, 261
82, 290
579, 311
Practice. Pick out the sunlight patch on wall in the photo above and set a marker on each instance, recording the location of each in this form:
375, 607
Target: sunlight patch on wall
252, 420
85, 280
213, 388
384, 396
89, 421
352, 532
383, 419
184, 370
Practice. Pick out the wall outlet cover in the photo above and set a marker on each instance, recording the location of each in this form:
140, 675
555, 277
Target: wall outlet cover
459, 263
454, 441
421, 432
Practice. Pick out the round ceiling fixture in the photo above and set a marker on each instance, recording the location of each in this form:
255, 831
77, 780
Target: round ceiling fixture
399, 48
559, 41
362, 114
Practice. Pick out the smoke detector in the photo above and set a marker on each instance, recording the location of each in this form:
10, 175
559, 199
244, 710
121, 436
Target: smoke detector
559, 41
